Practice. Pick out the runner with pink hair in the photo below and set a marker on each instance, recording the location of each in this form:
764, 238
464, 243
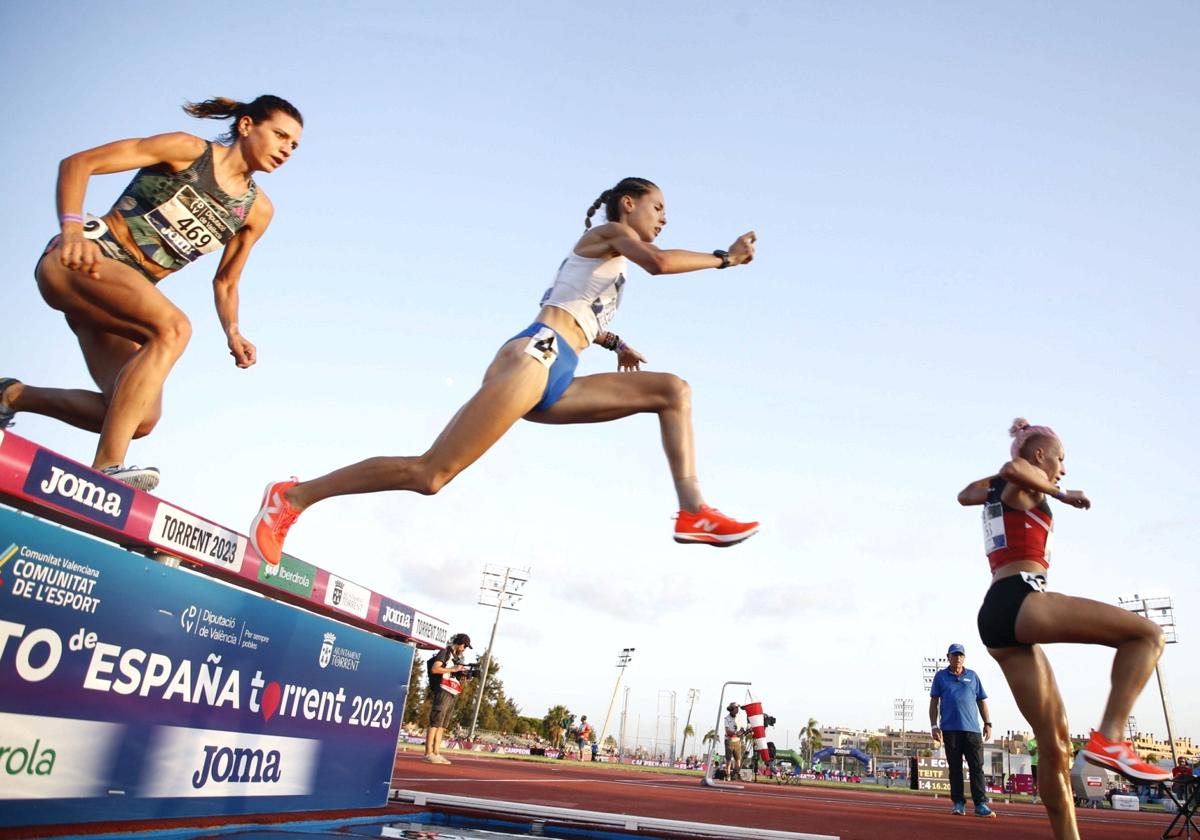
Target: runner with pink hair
1018, 616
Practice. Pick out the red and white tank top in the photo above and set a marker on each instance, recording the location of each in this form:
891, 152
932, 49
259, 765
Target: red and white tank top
1010, 535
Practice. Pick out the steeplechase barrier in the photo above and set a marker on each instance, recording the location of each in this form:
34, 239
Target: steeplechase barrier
212, 684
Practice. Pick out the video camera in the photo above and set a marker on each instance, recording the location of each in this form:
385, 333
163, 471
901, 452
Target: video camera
470, 670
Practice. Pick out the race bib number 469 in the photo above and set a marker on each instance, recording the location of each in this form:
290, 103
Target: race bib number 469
189, 225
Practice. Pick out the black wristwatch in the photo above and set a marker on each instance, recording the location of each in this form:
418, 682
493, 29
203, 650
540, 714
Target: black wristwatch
724, 255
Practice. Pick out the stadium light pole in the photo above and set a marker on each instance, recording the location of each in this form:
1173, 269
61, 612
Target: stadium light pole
902, 710
623, 658
501, 587
693, 693
1160, 610
624, 718
930, 665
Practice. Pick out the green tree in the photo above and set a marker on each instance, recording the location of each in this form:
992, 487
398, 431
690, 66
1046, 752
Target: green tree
810, 739
874, 748
415, 696
710, 737
554, 725
687, 730
526, 725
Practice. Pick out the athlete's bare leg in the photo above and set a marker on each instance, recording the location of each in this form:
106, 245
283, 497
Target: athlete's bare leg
105, 355
512, 385
1036, 692
1052, 617
611, 396
131, 336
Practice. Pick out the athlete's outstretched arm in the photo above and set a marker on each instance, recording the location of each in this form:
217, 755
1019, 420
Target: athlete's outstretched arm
229, 273
975, 493
620, 237
177, 149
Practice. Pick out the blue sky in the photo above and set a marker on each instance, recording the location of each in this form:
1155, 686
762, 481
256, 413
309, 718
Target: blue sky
966, 212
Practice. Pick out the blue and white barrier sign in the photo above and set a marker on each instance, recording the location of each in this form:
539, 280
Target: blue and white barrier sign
130, 690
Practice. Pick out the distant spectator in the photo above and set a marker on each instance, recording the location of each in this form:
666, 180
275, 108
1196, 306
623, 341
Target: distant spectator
583, 735
958, 695
1180, 773
733, 742
1033, 761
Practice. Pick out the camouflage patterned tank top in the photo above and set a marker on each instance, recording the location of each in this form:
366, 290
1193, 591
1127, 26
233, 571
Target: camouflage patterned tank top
165, 219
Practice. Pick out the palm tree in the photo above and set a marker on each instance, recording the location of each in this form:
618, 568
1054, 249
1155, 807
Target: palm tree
552, 724
810, 738
710, 737
687, 730
874, 748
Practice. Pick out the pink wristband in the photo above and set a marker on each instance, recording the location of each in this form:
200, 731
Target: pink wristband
63, 218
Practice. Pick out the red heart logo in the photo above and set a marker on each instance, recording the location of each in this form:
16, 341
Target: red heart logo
270, 701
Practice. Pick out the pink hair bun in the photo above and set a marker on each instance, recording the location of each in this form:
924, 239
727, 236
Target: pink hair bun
1021, 431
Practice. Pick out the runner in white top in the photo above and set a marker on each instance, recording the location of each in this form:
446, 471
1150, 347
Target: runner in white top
532, 376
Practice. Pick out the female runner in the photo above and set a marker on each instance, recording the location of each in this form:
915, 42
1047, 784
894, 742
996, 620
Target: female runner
189, 197
1018, 616
533, 376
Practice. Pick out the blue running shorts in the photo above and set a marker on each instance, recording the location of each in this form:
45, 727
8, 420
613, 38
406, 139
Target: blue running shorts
552, 350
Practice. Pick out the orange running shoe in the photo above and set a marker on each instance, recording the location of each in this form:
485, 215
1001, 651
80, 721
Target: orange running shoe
1121, 757
711, 527
275, 517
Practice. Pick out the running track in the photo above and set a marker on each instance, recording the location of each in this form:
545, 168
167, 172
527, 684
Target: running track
849, 814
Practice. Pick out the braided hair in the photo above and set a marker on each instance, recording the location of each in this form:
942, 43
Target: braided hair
611, 199
259, 109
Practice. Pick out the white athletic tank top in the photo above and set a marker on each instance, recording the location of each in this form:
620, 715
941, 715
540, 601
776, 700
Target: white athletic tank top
590, 289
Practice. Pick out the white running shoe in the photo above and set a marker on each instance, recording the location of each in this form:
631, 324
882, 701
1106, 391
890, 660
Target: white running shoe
142, 478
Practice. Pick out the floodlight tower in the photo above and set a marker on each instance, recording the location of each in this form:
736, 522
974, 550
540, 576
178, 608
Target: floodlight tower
1160, 610
623, 658
501, 587
902, 710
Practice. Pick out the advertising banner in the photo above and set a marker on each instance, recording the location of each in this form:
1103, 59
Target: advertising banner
51, 485
132, 690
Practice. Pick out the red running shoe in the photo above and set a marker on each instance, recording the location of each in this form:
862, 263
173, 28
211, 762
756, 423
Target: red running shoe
1120, 757
275, 517
711, 527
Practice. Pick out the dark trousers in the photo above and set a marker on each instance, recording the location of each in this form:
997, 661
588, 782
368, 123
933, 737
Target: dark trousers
970, 745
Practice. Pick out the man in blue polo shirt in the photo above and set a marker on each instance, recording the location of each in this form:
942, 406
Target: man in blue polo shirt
962, 700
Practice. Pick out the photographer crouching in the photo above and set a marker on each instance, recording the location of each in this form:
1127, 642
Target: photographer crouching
446, 672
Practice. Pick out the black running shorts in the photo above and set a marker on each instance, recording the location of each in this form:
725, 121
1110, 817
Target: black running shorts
998, 616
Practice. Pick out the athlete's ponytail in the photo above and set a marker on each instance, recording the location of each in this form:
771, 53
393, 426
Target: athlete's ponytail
220, 108
611, 199
1023, 434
